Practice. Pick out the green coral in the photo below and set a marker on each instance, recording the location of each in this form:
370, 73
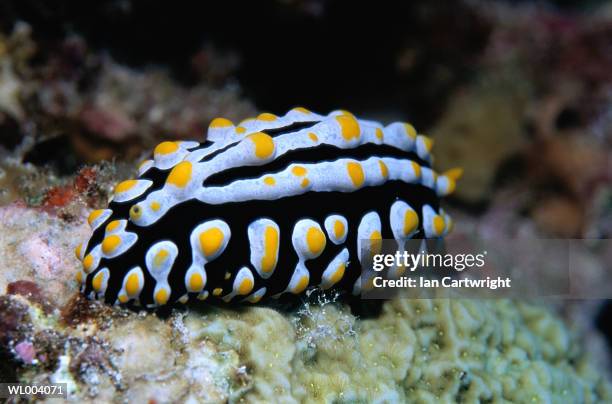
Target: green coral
415, 351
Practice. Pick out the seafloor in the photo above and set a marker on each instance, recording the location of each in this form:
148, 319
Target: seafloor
521, 99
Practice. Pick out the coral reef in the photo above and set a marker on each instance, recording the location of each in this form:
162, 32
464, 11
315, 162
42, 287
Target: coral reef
103, 109
519, 94
416, 350
42, 256
492, 106
544, 89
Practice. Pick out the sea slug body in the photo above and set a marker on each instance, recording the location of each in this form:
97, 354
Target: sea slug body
271, 206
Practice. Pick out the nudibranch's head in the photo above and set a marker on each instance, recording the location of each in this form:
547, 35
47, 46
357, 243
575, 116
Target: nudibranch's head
127, 236
125, 257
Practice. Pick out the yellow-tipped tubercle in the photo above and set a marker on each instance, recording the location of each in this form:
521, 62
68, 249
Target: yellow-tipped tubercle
454, 173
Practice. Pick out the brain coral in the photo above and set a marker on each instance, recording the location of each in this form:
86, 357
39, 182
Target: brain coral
415, 351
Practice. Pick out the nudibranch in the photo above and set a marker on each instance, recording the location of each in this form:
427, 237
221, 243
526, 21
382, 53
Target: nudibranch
271, 206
